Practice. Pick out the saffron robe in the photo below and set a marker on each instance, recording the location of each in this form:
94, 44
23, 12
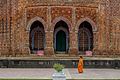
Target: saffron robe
80, 65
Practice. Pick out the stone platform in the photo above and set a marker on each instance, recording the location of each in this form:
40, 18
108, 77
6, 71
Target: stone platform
27, 62
71, 74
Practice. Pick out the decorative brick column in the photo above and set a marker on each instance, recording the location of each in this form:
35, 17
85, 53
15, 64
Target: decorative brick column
95, 44
73, 48
26, 44
49, 50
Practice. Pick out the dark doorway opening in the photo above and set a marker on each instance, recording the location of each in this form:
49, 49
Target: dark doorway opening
61, 37
61, 41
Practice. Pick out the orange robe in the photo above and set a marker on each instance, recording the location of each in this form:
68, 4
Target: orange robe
80, 66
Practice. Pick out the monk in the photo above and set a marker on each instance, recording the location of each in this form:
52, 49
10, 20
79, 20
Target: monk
80, 65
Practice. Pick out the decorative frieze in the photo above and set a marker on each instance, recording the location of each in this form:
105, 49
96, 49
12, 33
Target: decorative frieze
37, 11
83, 12
61, 2
65, 12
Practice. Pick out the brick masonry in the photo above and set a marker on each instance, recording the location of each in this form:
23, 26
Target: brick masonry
17, 16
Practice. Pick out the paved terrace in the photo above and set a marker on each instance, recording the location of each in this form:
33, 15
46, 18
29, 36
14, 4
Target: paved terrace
63, 57
46, 73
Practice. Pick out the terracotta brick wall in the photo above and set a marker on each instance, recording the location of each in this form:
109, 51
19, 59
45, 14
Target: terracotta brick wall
18, 16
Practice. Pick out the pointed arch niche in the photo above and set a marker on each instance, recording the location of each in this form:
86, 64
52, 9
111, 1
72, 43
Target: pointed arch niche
36, 37
85, 37
61, 37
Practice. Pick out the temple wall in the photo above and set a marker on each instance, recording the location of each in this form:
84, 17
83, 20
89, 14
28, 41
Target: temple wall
104, 17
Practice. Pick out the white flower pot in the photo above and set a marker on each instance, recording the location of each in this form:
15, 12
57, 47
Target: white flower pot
59, 76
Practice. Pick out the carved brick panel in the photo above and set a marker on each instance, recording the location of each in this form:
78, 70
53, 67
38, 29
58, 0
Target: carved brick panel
36, 11
82, 12
61, 11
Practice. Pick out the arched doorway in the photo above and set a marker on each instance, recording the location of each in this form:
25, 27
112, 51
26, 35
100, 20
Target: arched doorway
61, 37
60, 41
37, 37
85, 37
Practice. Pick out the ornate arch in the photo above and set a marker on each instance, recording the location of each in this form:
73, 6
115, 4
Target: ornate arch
66, 30
89, 32
56, 20
63, 29
31, 38
33, 20
94, 27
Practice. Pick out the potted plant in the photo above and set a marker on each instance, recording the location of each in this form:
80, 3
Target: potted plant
58, 75
58, 67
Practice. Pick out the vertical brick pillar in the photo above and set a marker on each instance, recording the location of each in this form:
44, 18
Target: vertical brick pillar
49, 50
73, 43
102, 32
73, 48
26, 49
95, 43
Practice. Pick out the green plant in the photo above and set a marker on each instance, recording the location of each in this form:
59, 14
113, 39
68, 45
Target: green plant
58, 67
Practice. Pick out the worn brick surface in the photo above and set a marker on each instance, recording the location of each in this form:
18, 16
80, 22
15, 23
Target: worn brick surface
15, 15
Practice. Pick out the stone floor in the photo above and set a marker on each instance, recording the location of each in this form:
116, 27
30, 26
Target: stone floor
46, 73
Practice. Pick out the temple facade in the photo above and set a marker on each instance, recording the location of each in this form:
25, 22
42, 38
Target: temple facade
65, 28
